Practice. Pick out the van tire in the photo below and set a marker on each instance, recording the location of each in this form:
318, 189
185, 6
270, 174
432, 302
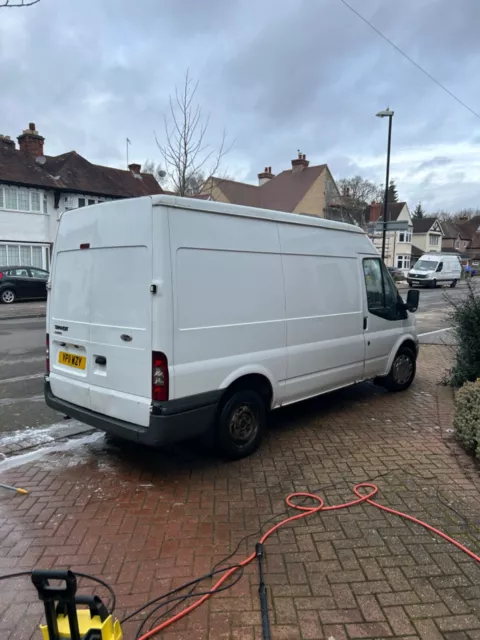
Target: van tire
7, 296
433, 284
402, 372
453, 284
240, 424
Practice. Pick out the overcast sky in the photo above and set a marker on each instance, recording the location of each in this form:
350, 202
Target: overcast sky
279, 75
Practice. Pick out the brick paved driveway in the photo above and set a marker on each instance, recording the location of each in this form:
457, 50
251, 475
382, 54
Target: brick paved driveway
147, 522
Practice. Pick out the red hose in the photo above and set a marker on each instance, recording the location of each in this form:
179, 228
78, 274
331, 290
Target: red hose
307, 511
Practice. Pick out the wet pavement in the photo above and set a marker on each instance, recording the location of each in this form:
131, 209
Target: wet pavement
148, 520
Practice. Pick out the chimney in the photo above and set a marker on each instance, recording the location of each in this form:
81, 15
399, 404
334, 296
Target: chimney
300, 163
375, 211
6, 141
265, 176
134, 168
31, 142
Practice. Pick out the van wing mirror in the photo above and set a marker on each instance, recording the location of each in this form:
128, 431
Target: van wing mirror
413, 297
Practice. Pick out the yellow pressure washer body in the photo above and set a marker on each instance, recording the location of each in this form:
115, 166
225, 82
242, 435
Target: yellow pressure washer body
65, 619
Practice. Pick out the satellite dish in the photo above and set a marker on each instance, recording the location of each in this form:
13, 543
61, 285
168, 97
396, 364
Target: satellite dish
40, 159
162, 173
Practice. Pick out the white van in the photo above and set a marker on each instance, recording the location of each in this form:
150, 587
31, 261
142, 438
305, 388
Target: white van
435, 268
171, 317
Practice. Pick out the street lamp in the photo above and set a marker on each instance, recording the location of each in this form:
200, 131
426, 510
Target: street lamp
386, 114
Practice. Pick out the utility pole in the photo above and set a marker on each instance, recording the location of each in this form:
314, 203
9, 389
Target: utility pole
386, 114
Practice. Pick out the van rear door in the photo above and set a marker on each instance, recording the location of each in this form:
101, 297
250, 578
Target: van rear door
100, 309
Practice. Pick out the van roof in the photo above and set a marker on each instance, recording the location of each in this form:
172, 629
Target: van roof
434, 255
211, 206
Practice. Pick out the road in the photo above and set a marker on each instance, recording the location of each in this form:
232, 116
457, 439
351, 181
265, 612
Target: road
26, 420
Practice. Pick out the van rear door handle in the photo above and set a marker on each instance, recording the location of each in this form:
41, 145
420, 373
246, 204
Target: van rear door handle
365, 323
100, 360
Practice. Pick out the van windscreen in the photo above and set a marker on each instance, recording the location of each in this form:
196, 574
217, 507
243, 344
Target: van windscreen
425, 265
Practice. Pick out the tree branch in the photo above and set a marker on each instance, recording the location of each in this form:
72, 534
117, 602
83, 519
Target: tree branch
20, 3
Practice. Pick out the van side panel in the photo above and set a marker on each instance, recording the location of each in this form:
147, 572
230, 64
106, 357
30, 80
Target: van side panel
325, 336
229, 308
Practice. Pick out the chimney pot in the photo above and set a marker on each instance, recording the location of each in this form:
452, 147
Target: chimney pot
7, 142
134, 168
31, 142
265, 176
300, 163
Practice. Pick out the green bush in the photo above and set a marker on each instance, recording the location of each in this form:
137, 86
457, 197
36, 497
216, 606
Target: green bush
465, 320
467, 416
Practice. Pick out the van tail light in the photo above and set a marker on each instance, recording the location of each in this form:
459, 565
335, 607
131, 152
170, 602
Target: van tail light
47, 355
159, 376
1, 275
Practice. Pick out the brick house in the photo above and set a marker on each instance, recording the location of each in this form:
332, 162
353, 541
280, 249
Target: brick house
301, 189
463, 238
398, 246
35, 189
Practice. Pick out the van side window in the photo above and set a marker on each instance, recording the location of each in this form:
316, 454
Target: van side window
440, 266
382, 294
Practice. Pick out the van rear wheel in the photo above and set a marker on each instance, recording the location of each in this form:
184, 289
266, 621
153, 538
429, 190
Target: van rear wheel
240, 424
453, 284
402, 372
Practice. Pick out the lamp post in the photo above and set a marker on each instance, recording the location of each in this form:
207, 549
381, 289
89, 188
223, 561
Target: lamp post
386, 114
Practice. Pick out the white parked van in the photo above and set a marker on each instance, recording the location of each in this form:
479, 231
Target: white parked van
434, 269
170, 317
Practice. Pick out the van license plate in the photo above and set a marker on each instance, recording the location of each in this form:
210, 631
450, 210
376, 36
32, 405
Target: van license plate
72, 360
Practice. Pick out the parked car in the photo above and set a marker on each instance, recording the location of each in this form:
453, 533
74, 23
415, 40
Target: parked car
396, 273
231, 311
22, 283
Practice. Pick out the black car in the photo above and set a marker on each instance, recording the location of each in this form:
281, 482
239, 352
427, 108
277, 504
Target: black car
22, 283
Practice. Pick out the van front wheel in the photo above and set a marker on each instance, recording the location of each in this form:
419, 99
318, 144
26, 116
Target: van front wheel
402, 372
240, 424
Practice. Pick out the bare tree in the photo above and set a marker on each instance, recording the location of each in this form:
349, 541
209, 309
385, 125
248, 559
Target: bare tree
355, 195
189, 159
17, 3
156, 170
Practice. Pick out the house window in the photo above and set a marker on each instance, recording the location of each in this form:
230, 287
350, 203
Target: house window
37, 257
90, 202
35, 201
81, 202
405, 236
24, 255
23, 200
45, 203
457, 244
434, 241
19, 199
403, 262
11, 198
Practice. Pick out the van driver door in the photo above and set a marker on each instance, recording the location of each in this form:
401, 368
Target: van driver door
383, 319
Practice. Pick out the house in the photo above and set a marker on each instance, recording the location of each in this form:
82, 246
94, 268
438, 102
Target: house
301, 189
427, 237
463, 238
35, 189
398, 246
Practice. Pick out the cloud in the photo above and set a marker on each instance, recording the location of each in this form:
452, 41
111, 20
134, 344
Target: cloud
278, 75
437, 161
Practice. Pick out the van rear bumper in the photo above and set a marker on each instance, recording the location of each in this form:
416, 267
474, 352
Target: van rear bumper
170, 422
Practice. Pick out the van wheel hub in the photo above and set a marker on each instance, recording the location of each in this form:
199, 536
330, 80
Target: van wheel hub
243, 424
402, 369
